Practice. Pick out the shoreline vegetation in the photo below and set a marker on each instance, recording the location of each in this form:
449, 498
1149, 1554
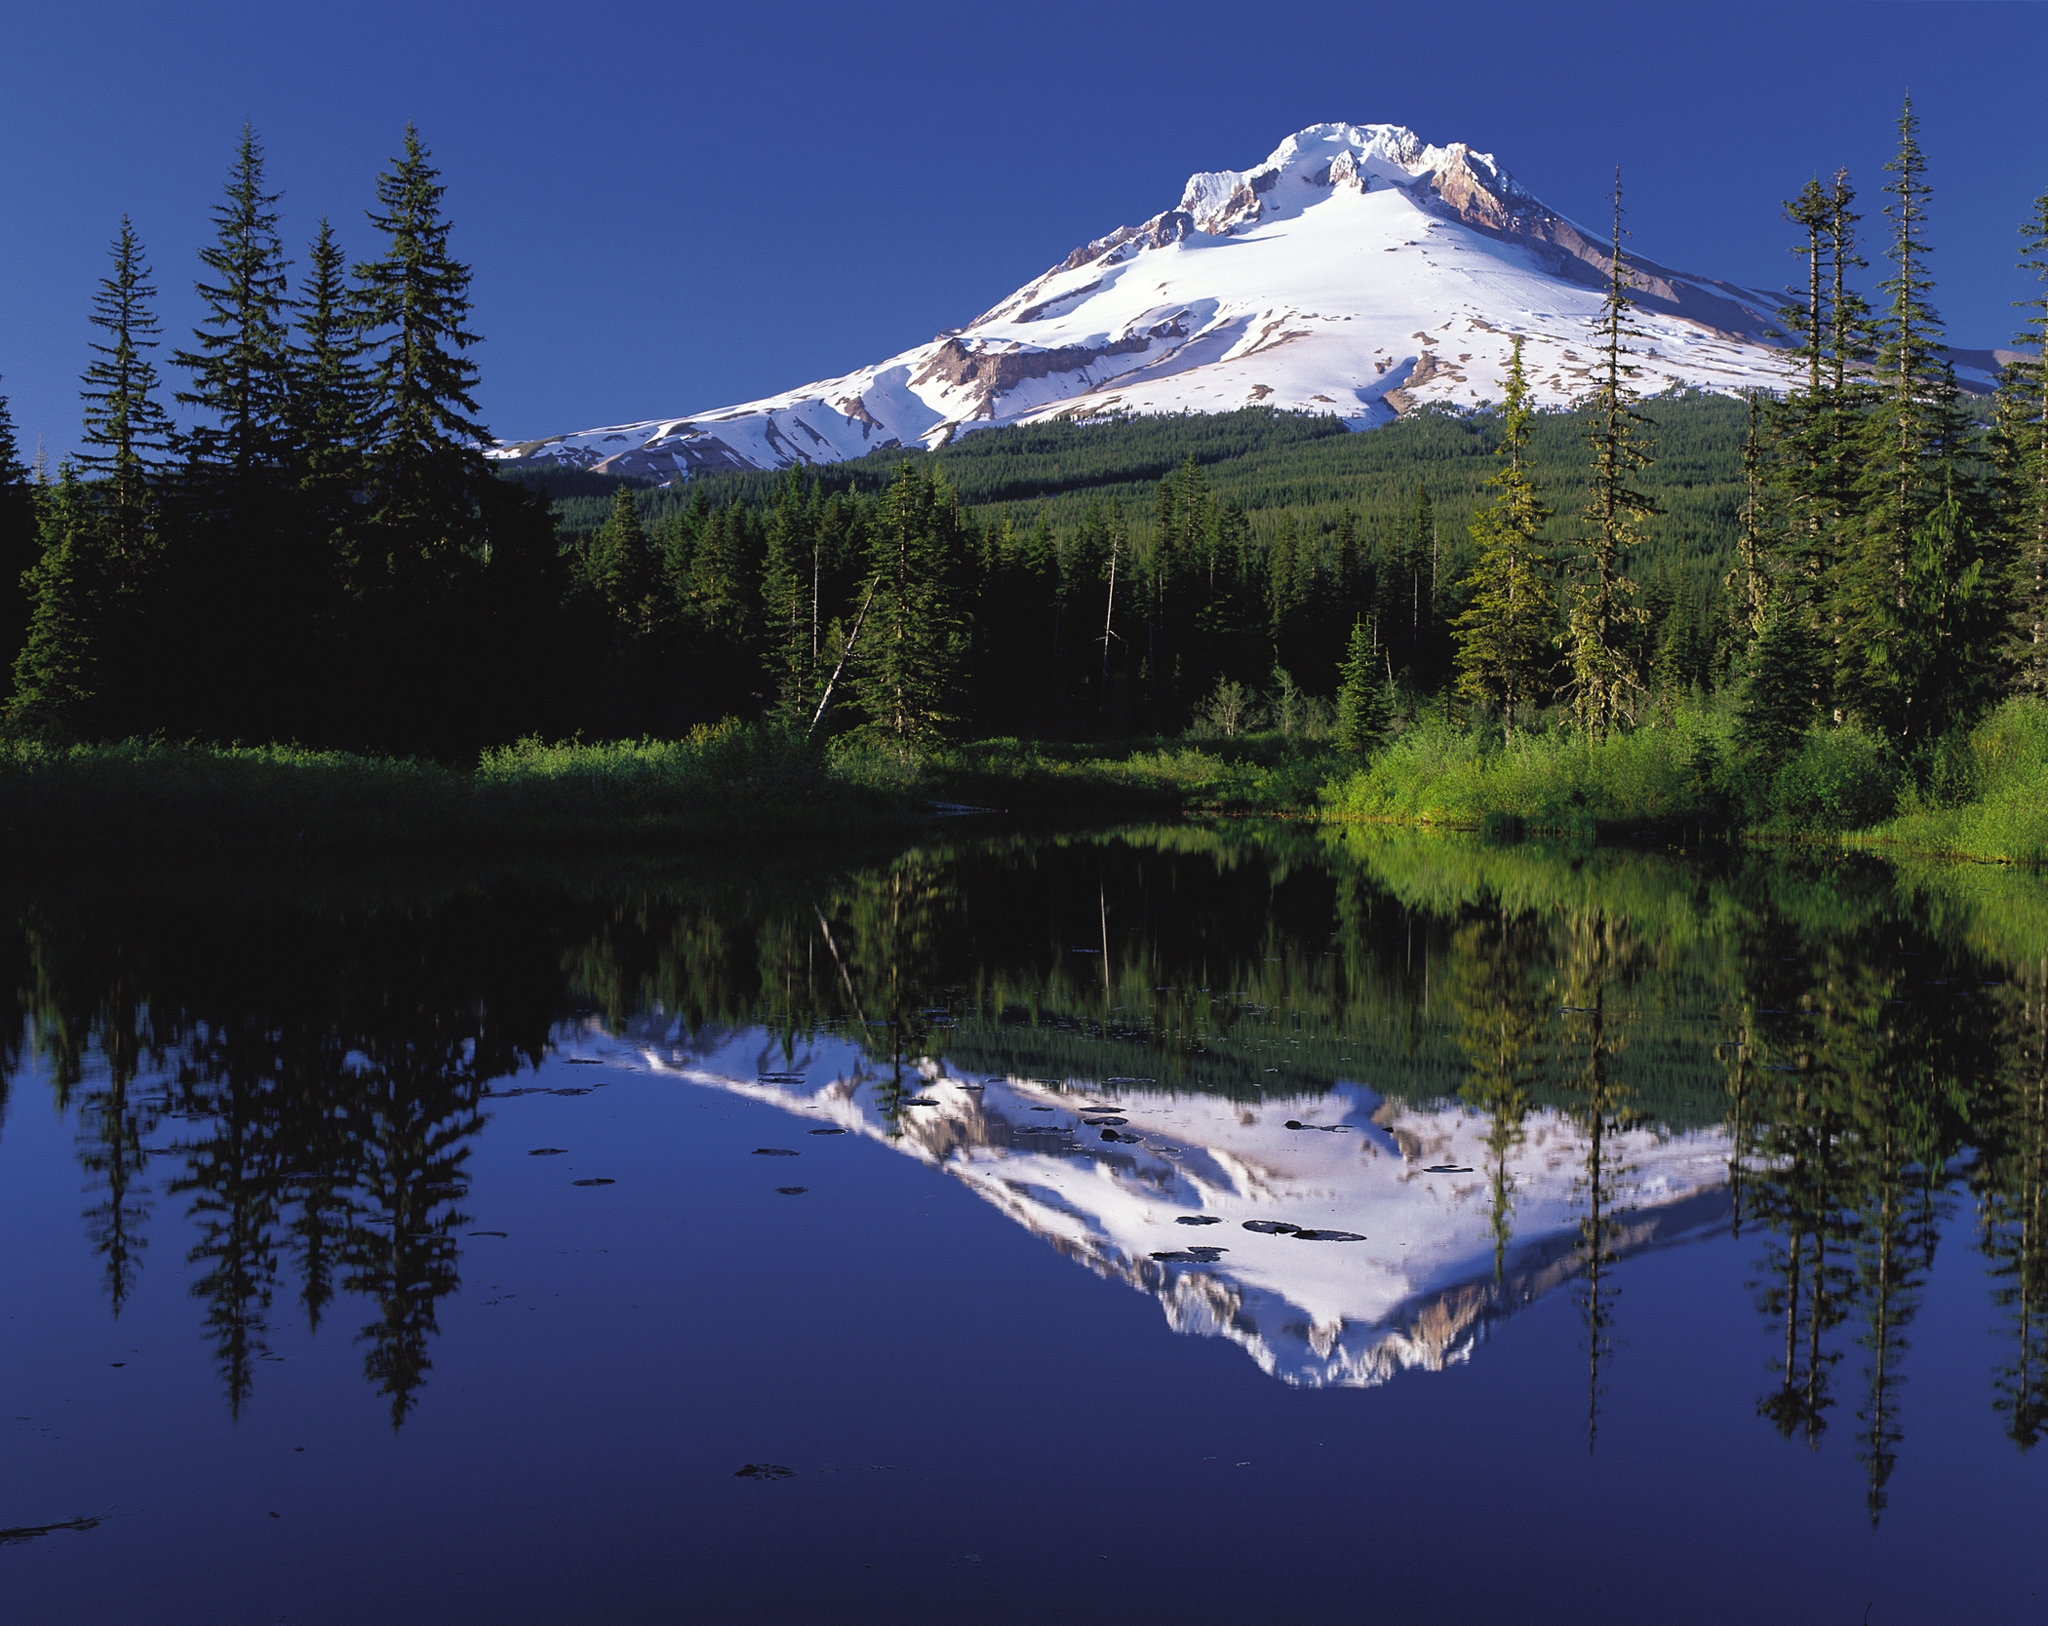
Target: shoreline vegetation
1678, 781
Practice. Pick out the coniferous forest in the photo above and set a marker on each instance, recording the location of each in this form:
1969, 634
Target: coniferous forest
317, 551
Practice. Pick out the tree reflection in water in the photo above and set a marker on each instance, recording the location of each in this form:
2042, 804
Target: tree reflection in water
301, 1065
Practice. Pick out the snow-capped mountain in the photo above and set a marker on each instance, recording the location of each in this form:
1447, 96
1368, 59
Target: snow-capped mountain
1358, 271
1198, 1201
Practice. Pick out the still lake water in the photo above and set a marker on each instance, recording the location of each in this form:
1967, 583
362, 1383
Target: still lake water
1159, 1225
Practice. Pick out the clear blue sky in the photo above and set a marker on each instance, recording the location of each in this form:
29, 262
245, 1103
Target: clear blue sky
679, 206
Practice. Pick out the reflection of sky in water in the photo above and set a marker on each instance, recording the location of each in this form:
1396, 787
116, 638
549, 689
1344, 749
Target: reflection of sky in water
1411, 1284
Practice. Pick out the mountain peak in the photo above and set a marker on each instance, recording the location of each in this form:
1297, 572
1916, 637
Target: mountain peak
1359, 271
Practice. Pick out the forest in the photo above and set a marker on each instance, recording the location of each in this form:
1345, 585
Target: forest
1852, 570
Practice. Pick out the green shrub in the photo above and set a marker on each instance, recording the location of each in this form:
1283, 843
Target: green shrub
1840, 779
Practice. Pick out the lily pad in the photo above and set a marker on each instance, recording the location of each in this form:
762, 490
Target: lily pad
792, 1191
600, 1181
773, 1151
765, 1470
1448, 1168
1192, 1256
1328, 1236
549, 1151
1198, 1219
828, 1131
1271, 1227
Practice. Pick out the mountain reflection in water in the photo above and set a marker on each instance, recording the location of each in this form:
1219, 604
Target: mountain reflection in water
1514, 1068
1412, 1283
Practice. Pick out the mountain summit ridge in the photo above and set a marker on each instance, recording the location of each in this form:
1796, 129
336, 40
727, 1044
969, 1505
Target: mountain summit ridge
1357, 270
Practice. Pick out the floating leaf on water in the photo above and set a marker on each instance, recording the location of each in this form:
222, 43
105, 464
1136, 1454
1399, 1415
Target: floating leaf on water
1271, 1227
1105, 1123
765, 1470
828, 1131
597, 1182
567, 1092
490, 1233
1193, 1256
582, 1061
549, 1151
1045, 1109
1198, 1219
1448, 1168
1327, 1236
773, 1151
778, 1078
792, 1191
921, 1101
1130, 1081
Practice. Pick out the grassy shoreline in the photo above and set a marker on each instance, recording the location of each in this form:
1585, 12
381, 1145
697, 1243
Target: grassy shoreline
1679, 781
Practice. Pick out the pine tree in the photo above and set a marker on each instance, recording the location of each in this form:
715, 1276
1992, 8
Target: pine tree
1780, 686
2020, 454
326, 402
1604, 682
790, 587
126, 430
59, 670
1507, 631
424, 465
1363, 712
1910, 607
911, 641
240, 367
620, 566
19, 544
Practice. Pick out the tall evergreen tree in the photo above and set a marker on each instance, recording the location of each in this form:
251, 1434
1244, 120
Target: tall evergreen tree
1911, 588
19, 544
2020, 452
327, 400
424, 466
1363, 709
1604, 680
60, 670
1507, 631
126, 431
240, 367
911, 642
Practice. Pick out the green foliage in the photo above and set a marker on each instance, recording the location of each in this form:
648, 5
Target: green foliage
1507, 632
1363, 709
1840, 779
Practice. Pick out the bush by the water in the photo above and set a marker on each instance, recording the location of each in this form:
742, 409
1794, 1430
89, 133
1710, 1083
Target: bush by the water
1683, 769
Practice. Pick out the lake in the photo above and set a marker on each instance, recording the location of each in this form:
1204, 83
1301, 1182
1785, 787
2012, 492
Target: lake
1156, 1224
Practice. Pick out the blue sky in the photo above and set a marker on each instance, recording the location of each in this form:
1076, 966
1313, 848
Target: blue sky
671, 208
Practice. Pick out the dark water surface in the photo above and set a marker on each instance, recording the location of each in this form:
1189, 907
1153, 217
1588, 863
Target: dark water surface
800, 1238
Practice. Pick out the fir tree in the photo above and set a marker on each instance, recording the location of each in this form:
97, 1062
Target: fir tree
1506, 633
1917, 518
126, 431
59, 669
790, 592
19, 544
2020, 454
1780, 686
1604, 682
240, 369
425, 463
329, 392
620, 566
911, 641
1363, 712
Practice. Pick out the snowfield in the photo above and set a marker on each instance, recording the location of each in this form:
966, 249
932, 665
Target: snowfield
1357, 272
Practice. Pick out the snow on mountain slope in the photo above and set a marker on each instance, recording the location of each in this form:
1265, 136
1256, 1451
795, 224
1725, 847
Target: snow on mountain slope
1409, 1284
1357, 271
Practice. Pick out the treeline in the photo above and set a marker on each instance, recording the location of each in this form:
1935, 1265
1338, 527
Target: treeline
328, 557
1891, 561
